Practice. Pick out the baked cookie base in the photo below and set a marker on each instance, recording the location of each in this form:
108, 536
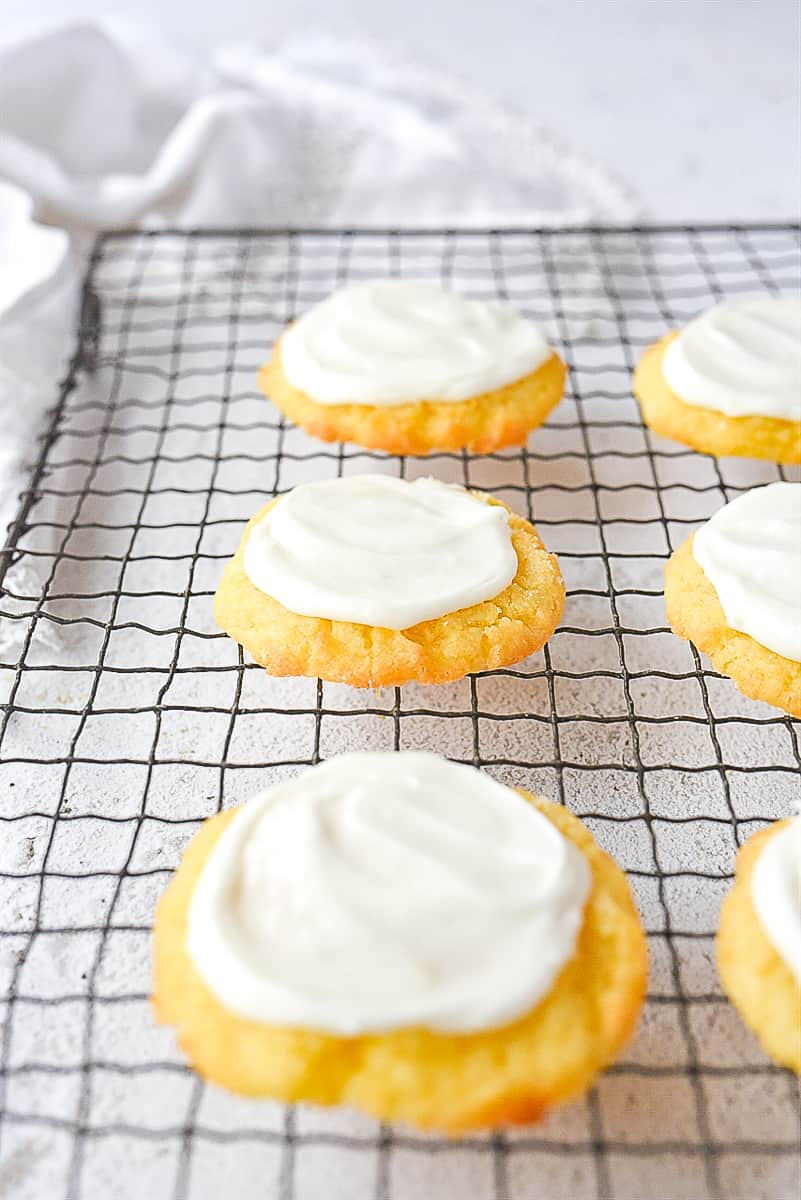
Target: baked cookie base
705, 430
495, 633
757, 981
451, 1083
480, 424
694, 612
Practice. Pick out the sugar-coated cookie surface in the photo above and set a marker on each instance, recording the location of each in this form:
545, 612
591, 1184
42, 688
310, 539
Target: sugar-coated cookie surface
707, 430
434, 1080
483, 636
694, 612
503, 416
756, 979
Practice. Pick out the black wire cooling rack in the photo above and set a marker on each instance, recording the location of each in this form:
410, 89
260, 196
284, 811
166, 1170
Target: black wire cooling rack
129, 717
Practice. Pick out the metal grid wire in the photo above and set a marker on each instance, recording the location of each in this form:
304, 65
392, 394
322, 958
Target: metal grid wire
130, 718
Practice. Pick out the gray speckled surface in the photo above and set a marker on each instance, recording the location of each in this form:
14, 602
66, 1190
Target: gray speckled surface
169, 450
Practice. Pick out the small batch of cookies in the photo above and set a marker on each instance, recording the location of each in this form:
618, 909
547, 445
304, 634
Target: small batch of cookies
400, 933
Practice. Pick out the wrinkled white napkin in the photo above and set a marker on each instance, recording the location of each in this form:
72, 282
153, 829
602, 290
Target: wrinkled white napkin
106, 126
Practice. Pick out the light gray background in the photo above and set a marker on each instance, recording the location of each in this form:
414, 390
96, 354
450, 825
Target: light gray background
695, 104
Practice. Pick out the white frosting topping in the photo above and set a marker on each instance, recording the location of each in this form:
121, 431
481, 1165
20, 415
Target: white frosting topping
399, 341
776, 893
382, 891
750, 551
740, 359
381, 551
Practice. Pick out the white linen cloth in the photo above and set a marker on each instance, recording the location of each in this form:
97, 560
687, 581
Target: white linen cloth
107, 126
104, 126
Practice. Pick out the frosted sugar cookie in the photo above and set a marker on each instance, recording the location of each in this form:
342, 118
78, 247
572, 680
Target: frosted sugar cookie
401, 934
759, 940
733, 590
730, 383
410, 368
371, 580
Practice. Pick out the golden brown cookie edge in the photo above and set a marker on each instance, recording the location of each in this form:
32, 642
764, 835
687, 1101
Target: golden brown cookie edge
704, 430
481, 424
485, 636
756, 980
450, 1083
694, 613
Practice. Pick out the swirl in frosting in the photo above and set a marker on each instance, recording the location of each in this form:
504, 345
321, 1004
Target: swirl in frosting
750, 551
399, 341
740, 359
380, 551
383, 891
